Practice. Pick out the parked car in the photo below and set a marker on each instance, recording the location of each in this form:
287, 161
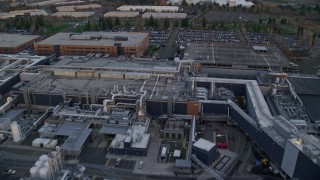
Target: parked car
10, 171
118, 162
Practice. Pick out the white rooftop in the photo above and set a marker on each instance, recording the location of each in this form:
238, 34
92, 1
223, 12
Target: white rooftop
176, 153
260, 48
149, 8
161, 15
121, 14
204, 144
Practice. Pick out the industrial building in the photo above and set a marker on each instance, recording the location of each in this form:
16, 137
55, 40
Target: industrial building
12, 65
45, 3
136, 142
235, 61
173, 129
121, 14
50, 167
231, 3
149, 8
77, 8
205, 151
124, 96
72, 14
163, 15
28, 12
112, 43
15, 43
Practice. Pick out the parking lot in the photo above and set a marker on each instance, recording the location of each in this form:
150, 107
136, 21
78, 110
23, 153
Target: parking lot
206, 36
123, 164
259, 38
158, 37
236, 55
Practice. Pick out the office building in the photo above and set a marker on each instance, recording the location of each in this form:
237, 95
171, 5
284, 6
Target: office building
111, 43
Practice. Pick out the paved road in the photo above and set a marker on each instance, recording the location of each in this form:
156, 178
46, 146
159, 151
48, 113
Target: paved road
169, 50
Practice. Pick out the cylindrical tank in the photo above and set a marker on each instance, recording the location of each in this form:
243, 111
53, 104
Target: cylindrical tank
16, 131
39, 164
46, 164
34, 172
274, 91
54, 154
44, 173
43, 157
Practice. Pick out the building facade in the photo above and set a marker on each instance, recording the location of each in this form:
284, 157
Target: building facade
112, 43
15, 43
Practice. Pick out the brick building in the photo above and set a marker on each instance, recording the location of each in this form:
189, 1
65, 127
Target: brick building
15, 43
113, 43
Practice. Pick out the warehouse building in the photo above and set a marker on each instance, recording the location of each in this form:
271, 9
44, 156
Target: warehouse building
205, 151
15, 43
159, 15
73, 136
135, 142
78, 8
72, 14
164, 92
149, 8
28, 12
112, 43
121, 14
12, 65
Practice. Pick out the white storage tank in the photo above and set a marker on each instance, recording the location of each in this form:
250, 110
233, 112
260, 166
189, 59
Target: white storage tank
43, 157
39, 164
16, 132
34, 172
46, 164
44, 173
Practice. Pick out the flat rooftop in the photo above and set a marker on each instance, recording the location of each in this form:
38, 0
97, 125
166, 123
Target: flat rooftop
47, 83
121, 14
72, 14
11, 65
308, 90
149, 8
77, 7
32, 12
236, 55
115, 64
162, 15
46, 3
14, 40
204, 144
95, 39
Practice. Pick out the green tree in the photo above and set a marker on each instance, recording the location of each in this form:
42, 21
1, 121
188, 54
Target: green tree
87, 26
103, 24
109, 23
176, 23
184, 3
185, 23
127, 23
283, 21
155, 23
117, 22
166, 23
204, 22
314, 36
151, 21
